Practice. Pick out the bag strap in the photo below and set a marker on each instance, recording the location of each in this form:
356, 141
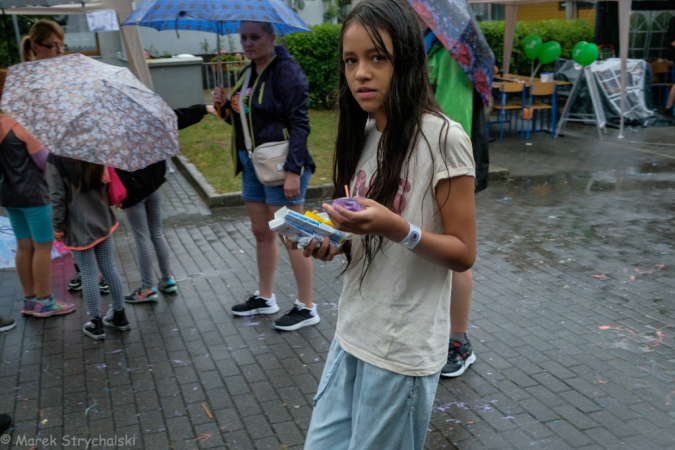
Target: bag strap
242, 113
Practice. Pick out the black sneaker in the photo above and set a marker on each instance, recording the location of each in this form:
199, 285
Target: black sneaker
76, 283
94, 329
116, 319
255, 305
460, 357
103, 286
297, 318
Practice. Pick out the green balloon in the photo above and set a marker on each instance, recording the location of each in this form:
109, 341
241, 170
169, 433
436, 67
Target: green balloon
532, 45
588, 55
577, 49
549, 52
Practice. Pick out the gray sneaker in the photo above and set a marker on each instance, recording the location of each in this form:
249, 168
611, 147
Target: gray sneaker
169, 286
460, 358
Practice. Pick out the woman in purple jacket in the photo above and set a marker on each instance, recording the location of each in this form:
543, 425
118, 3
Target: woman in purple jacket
276, 109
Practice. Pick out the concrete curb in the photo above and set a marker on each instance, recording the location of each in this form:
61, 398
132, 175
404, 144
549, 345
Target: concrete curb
212, 199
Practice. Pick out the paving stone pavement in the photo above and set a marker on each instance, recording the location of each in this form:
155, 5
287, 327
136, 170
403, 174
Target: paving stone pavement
573, 323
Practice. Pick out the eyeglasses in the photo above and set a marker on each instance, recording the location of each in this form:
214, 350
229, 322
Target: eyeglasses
52, 46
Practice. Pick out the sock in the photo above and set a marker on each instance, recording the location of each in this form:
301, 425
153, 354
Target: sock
30, 297
44, 300
462, 338
312, 309
272, 300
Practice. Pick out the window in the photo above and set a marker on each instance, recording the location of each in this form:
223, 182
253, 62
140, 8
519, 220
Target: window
79, 39
488, 12
648, 31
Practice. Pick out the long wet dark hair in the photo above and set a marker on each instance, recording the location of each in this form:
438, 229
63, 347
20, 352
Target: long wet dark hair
409, 98
85, 175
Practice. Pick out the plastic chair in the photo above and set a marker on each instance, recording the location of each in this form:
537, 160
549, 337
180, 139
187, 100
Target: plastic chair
505, 105
542, 97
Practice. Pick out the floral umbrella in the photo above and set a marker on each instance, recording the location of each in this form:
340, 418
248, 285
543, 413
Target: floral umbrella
91, 111
455, 26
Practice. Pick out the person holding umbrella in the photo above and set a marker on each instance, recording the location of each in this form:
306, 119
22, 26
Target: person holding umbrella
46, 40
275, 107
456, 89
25, 196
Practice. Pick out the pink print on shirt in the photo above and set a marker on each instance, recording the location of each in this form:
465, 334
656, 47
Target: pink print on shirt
361, 189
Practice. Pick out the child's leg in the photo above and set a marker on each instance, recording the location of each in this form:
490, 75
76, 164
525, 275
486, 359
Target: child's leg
106, 263
362, 407
86, 260
24, 265
671, 98
138, 220
42, 268
331, 423
153, 209
391, 410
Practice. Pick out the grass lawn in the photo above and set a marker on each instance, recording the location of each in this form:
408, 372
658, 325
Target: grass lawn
207, 146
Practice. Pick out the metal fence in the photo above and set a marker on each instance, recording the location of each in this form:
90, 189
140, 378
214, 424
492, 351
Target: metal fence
230, 71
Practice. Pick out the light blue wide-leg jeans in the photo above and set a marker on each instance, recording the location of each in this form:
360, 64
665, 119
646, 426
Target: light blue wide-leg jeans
361, 407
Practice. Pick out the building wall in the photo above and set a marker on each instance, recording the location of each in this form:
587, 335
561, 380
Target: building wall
549, 11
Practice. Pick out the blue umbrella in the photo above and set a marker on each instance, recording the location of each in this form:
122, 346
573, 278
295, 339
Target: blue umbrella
215, 16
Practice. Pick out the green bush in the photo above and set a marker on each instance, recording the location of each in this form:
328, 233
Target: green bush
566, 32
317, 53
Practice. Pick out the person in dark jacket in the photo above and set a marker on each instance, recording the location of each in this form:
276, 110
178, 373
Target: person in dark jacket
142, 207
275, 105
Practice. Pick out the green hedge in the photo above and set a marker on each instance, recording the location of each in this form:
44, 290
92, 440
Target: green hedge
317, 52
566, 32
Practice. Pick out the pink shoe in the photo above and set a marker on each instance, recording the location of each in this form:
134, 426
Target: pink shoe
53, 308
28, 307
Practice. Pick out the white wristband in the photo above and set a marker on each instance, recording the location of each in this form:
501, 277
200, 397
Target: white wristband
413, 237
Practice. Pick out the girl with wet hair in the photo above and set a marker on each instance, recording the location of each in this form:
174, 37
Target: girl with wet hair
413, 172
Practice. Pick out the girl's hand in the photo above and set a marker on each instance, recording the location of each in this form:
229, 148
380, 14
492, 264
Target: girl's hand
218, 96
326, 252
211, 110
373, 219
292, 186
59, 236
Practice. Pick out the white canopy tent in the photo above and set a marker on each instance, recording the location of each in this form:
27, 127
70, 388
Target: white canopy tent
122, 8
511, 12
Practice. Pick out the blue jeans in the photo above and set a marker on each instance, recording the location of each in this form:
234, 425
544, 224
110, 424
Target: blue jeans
361, 407
253, 190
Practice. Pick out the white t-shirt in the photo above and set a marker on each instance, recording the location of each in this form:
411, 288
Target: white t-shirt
398, 319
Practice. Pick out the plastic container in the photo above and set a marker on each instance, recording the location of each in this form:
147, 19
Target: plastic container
546, 77
348, 203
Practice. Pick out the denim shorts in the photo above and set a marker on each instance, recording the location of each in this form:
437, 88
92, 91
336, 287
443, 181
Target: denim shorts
361, 407
34, 222
253, 190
